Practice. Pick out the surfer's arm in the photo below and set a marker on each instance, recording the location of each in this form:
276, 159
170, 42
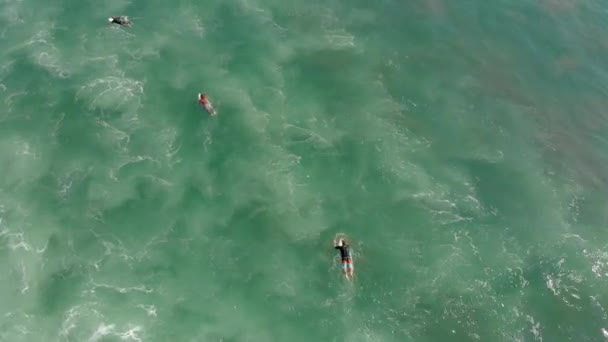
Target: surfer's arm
337, 242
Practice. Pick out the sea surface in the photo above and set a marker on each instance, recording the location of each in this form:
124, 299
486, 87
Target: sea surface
462, 146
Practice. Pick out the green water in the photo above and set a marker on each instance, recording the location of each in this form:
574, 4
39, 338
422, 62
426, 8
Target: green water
459, 144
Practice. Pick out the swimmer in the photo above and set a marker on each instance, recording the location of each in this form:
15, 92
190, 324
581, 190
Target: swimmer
203, 100
347, 261
120, 20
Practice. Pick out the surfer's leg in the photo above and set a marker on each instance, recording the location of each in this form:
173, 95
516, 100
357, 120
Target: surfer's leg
349, 269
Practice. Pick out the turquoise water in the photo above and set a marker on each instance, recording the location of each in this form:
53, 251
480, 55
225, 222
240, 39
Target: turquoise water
460, 145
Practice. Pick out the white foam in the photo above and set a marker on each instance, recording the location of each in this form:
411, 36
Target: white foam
102, 331
46, 54
552, 284
17, 241
159, 180
140, 288
535, 328
340, 39
120, 137
131, 160
113, 92
599, 262
131, 334
596, 302
9, 99
150, 309
24, 277
69, 323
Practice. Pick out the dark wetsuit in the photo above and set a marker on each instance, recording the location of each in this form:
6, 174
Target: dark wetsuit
347, 260
121, 21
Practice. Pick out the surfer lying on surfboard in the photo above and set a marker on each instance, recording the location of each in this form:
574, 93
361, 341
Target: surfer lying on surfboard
347, 260
203, 100
120, 20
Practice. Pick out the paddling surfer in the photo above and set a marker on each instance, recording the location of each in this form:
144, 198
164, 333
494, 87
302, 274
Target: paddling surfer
348, 267
204, 101
120, 20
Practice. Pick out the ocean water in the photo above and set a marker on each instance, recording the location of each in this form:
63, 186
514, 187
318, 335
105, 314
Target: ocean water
461, 146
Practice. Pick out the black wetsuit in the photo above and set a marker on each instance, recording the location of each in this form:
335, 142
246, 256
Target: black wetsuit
120, 21
344, 252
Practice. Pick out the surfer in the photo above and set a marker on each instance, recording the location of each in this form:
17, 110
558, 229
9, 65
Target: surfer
347, 261
120, 20
203, 100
